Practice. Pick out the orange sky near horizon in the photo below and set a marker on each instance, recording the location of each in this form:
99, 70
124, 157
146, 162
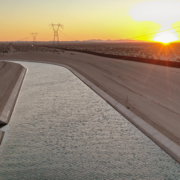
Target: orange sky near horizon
89, 19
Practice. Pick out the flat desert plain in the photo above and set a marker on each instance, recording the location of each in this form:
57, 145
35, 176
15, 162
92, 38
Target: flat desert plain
151, 92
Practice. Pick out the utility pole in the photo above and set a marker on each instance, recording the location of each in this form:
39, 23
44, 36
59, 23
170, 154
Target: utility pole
55, 28
34, 38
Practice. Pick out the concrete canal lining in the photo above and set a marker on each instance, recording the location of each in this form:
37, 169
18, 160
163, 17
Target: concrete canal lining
1, 136
162, 141
7, 82
7, 111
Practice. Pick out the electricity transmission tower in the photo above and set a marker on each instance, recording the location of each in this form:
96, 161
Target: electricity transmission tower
56, 28
34, 38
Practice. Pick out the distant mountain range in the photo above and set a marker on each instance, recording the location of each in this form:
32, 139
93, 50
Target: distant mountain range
84, 41
109, 40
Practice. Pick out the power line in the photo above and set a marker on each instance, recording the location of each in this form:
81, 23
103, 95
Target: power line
68, 36
159, 31
153, 33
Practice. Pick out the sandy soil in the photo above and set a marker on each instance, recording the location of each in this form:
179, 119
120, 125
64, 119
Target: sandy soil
151, 92
9, 74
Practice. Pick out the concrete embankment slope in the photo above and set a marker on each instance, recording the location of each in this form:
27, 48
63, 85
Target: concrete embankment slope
11, 78
1, 136
150, 92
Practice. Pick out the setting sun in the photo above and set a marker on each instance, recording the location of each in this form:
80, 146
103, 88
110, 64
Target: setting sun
162, 12
166, 37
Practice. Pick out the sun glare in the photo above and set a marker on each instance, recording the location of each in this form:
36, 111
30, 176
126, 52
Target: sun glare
166, 37
162, 12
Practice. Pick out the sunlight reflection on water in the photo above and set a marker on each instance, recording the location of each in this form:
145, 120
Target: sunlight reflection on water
61, 129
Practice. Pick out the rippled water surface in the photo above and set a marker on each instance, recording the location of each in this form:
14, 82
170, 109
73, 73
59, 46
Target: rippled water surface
60, 129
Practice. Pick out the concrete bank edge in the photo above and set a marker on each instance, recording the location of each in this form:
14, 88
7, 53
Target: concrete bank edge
1, 136
8, 109
162, 141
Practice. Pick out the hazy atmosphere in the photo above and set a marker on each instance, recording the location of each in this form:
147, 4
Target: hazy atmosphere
85, 19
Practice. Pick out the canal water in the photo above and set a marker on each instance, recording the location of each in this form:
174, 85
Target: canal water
61, 129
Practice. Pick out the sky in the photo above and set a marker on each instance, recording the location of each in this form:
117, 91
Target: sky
90, 19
